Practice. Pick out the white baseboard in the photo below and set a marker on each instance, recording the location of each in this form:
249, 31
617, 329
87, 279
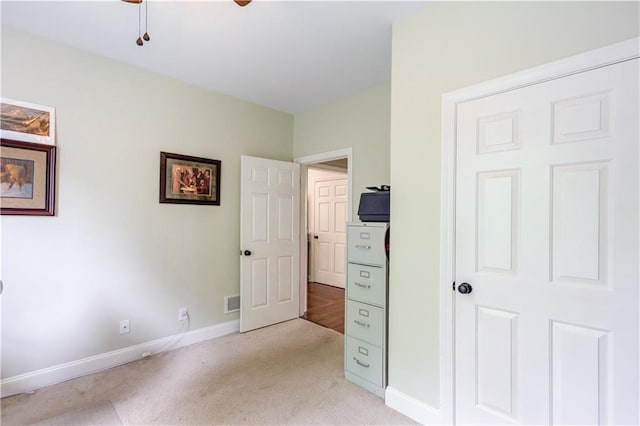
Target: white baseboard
59, 373
412, 408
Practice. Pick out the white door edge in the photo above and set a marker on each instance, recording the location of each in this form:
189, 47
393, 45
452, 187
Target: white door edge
615, 53
304, 162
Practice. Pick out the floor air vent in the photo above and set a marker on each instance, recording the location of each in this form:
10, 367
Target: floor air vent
231, 304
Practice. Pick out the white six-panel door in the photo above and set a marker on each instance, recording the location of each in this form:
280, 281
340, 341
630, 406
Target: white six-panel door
269, 242
330, 230
547, 236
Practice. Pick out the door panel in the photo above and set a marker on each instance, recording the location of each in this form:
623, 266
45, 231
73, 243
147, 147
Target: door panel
579, 223
285, 278
547, 235
579, 357
270, 229
259, 283
496, 352
498, 204
581, 119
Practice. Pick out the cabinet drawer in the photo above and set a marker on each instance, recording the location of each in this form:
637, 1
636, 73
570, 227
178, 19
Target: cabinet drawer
367, 283
365, 244
364, 360
365, 322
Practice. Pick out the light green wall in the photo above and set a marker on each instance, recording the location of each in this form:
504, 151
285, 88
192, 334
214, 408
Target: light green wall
359, 121
112, 251
447, 46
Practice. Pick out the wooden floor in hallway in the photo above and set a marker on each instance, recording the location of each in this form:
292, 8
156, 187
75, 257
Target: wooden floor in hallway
325, 306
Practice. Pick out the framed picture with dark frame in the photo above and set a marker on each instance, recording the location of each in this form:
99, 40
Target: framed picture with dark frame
189, 180
27, 178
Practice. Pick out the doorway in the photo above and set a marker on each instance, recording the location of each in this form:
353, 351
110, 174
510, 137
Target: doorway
326, 223
326, 211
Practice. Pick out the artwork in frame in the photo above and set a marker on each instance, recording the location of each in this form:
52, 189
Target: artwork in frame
27, 178
189, 180
27, 122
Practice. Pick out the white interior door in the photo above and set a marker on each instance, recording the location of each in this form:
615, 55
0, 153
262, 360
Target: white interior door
547, 236
269, 242
330, 227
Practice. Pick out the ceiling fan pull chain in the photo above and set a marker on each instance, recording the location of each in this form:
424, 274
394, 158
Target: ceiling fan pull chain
139, 41
146, 22
146, 36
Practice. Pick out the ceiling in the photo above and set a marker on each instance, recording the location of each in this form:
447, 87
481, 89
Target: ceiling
287, 55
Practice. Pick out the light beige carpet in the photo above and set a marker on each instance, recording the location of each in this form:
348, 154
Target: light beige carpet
289, 373
101, 414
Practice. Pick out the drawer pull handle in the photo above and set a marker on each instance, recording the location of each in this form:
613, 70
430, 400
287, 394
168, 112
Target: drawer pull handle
362, 246
363, 324
364, 364
362, 285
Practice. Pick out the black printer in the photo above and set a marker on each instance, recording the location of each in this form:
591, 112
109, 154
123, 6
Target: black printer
375, 205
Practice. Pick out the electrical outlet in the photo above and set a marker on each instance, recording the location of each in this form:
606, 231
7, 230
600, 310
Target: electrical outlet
124, 327
183, 313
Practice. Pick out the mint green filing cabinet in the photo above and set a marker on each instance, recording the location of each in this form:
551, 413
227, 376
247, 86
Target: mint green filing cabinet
365, 352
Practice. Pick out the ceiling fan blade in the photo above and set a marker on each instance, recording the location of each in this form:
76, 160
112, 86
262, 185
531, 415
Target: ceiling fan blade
242, 3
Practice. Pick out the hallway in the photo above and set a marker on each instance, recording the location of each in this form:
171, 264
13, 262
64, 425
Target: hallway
325, 306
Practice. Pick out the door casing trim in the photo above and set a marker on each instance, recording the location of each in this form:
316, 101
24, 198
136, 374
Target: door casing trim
304, 162
598, 58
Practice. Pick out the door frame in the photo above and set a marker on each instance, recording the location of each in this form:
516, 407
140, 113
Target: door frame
304, 162
609, 55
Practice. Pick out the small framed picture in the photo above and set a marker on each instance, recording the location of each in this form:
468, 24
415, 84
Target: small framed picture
189, 180
27, 122
27, 178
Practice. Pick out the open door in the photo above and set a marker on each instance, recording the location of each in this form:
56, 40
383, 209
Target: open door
269, 242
